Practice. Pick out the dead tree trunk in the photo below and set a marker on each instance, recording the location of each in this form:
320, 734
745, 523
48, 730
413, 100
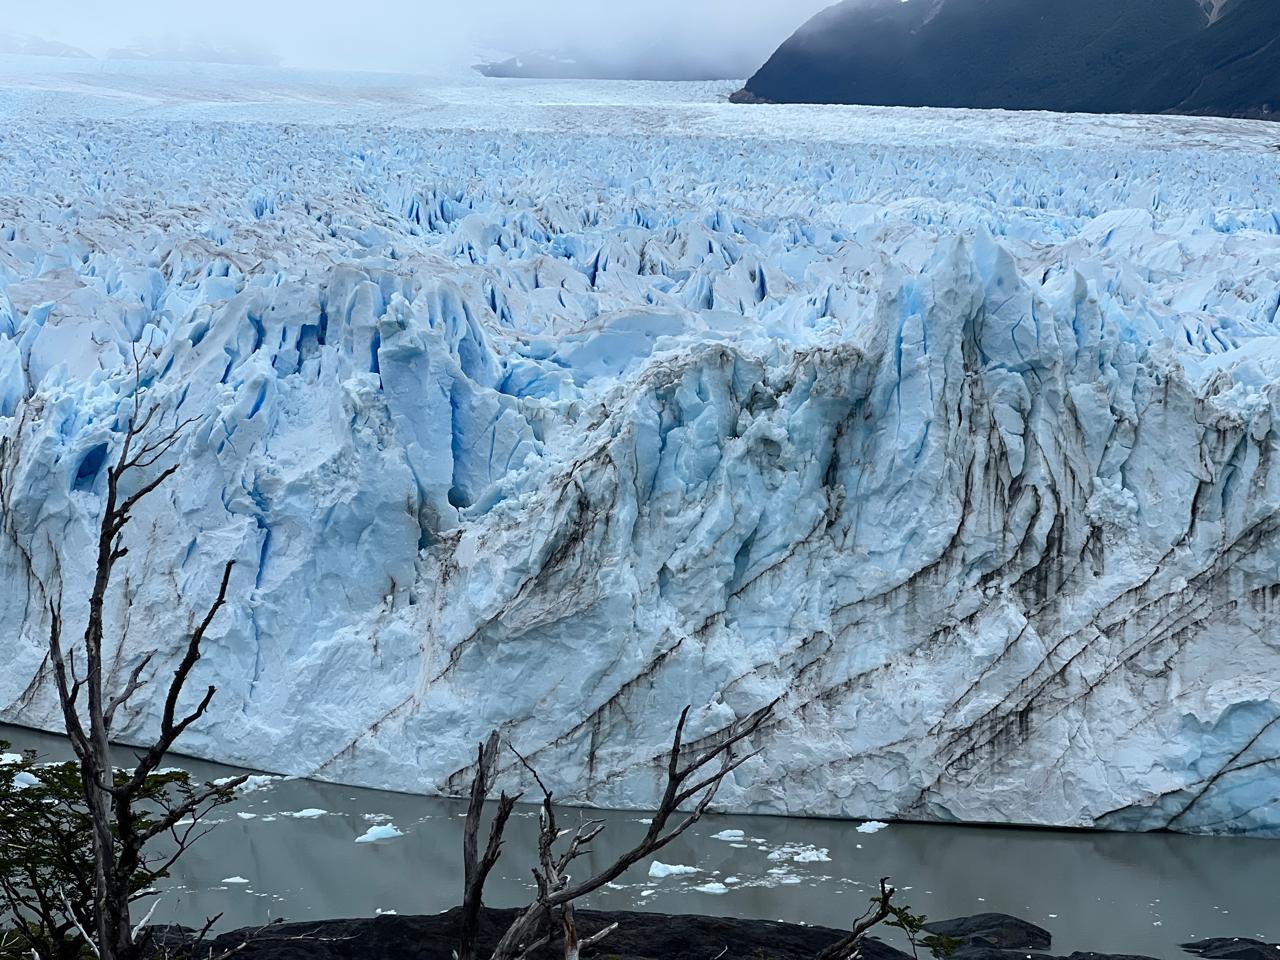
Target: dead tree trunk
881, 909
551, 878
476, 869
120, 836
696, 780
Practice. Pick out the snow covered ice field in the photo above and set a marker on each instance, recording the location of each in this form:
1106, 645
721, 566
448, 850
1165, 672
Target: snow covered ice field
558, 406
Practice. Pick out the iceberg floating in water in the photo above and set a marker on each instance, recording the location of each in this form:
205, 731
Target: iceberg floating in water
311, 813
380, 834
660, 871
964, 450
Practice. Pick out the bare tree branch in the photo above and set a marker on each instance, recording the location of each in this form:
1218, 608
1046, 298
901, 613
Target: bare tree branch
595, 938
80, 927
879, 911
66, 694
132, 685
171, 729
557, 892
138, 927
186, 808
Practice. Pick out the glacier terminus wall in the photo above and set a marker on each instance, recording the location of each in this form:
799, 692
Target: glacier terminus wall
959, 441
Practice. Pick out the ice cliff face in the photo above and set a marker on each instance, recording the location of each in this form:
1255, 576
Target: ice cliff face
964, 451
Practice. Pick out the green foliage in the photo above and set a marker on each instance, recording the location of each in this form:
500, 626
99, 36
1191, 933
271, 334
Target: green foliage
47, 900
912, 924
46, 858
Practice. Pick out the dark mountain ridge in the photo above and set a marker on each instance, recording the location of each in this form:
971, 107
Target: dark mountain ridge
1090, 56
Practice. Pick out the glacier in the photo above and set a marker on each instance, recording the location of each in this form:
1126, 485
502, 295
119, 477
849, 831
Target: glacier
556, 407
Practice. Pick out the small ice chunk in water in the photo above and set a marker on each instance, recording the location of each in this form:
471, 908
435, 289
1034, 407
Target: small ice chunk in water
259, 781
659, 871
871, 826
379, 833
730, 835
812, 855
801, 853
235, 880
310, 813
714, 887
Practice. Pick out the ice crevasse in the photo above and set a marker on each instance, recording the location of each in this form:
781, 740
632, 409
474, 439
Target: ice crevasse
965, 455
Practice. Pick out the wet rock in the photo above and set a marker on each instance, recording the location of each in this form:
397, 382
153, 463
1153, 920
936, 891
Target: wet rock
651, 936
992, 930
1233, 948
638, 937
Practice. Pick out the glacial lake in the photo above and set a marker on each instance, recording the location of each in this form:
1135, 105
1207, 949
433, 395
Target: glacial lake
289, 850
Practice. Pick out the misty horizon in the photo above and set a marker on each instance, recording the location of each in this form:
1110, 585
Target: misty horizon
728, 37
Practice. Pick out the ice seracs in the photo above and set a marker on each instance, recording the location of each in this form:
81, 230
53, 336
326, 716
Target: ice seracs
963, 449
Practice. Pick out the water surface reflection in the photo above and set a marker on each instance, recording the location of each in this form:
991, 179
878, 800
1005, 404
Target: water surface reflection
293, 844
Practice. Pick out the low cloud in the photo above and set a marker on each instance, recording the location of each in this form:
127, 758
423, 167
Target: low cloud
728, 36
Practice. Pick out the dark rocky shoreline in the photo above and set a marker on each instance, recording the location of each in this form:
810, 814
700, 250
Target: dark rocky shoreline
652, 936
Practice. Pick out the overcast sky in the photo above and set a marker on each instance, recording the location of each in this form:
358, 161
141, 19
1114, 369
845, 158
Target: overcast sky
422, 35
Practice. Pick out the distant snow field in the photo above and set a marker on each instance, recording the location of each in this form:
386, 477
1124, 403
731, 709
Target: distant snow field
558, 406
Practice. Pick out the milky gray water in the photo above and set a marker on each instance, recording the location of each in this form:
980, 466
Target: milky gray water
289, 850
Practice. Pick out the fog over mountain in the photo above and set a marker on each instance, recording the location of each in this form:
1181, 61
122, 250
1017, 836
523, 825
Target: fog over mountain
709, 37
24, 44
195, 52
